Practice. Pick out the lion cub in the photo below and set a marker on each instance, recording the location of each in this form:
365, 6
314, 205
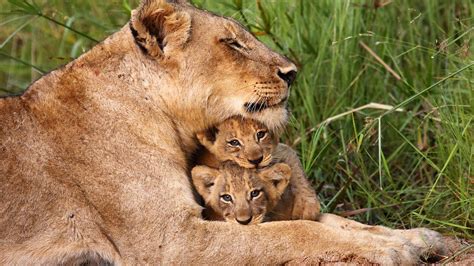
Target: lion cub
235, 194
251, 145
247, 142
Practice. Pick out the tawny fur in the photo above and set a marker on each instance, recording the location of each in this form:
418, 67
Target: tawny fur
249, 150
93, 157
299, 200
251, 193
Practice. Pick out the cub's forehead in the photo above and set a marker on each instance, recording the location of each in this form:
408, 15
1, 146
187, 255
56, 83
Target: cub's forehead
240, 126
238, 178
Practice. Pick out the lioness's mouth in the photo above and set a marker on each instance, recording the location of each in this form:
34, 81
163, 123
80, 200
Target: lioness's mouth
260, 106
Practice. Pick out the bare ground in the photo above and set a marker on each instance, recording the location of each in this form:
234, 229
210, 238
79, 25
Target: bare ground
460, 251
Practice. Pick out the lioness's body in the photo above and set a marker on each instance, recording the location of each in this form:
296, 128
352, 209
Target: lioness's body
93, 161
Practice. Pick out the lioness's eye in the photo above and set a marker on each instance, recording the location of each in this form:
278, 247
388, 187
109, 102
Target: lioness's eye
255, 193
233, 43
234, 143
226, 197
261, 134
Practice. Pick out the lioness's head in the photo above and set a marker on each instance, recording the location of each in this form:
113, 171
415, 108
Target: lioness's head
247, 142
241, 195
213, 67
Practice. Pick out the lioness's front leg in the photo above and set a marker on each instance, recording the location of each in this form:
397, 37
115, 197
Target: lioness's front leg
185, 238
426, 240
306, 204
208, 242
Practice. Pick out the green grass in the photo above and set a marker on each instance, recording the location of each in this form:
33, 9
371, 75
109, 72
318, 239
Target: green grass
411, 168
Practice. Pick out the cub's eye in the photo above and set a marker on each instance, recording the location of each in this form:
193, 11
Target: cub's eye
234, 143
255, 193
261, 134
226, 197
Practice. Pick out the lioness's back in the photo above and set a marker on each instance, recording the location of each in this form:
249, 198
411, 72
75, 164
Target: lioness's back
8, 107
13, 124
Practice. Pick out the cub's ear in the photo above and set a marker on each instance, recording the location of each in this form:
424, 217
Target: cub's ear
204, 179
159, 26
275, 138
278, 174
208, 137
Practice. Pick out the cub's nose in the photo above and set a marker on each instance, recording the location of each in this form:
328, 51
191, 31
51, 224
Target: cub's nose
288, 74
244, 222
256, 161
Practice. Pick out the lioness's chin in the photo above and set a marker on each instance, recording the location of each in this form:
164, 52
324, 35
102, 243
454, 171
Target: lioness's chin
275, 118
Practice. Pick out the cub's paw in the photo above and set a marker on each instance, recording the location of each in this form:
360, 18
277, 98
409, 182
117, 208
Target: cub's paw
305, 208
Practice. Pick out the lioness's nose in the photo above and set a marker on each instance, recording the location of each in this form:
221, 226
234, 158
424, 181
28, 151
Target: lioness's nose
245, 222
288, 74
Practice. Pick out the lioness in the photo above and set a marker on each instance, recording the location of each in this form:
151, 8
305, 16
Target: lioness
94, 156
240, 195
251, 144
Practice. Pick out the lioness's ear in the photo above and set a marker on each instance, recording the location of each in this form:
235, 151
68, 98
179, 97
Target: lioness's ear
203, 179
159, 26
278, 174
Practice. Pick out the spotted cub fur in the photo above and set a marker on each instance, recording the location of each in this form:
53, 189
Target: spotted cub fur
250, 144
241, 195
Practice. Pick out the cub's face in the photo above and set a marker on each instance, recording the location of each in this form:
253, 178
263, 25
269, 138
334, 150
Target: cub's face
212, 62
240, 195
247, 142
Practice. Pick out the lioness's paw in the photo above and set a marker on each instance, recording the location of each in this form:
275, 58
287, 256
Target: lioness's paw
430, 243
391, 251
380, 256
394, 256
